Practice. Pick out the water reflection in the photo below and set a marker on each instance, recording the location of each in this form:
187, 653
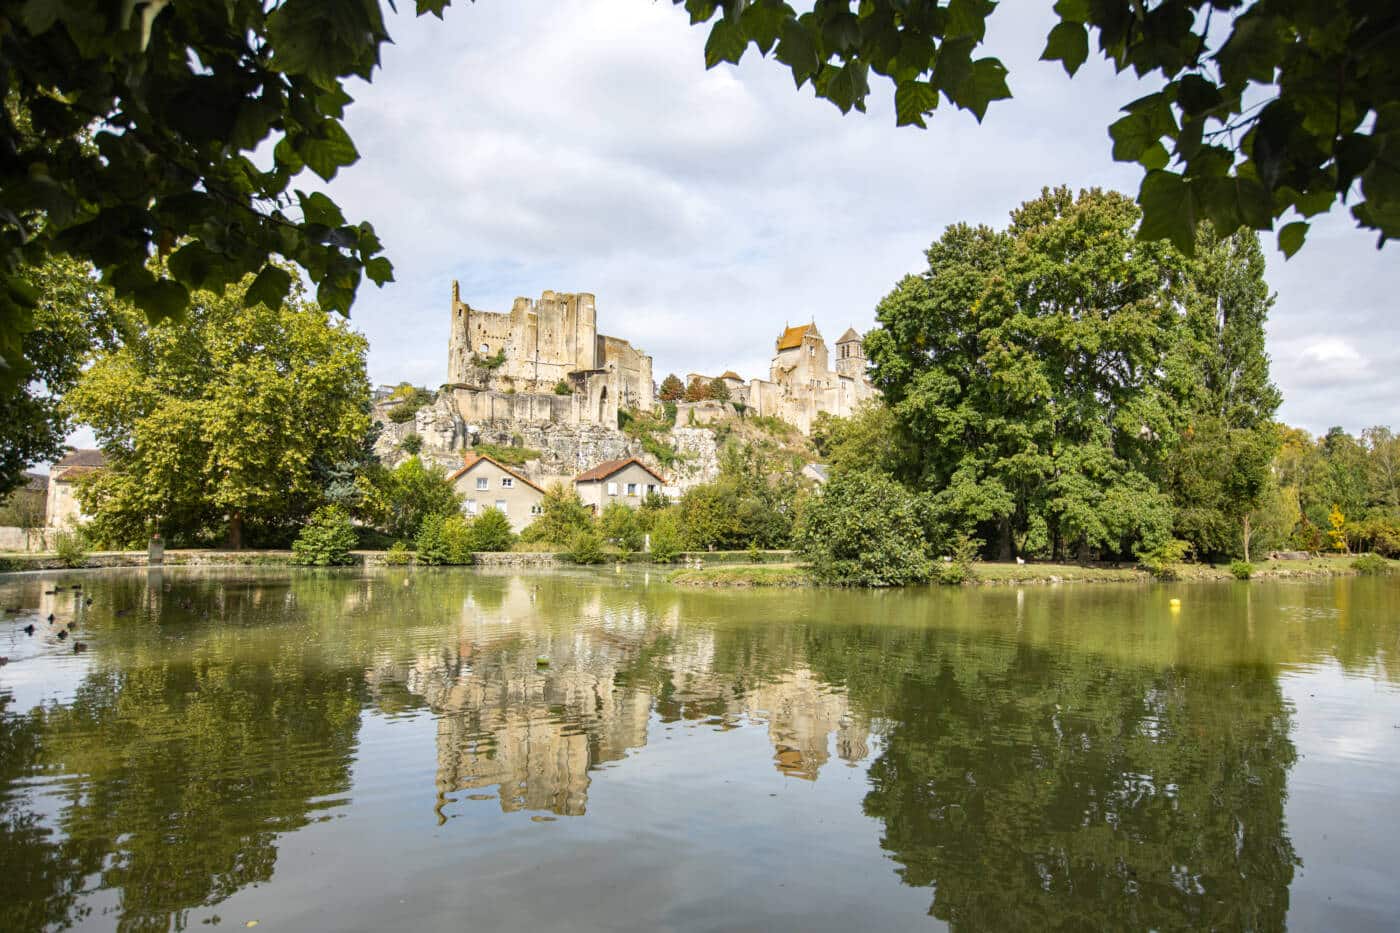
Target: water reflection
1034, 759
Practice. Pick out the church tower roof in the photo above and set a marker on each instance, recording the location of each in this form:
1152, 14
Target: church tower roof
848, 336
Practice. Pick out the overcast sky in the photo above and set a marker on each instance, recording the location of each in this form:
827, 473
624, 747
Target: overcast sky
531, 144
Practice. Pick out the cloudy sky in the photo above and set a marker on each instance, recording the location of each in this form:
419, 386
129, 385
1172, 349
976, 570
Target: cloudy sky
529, 145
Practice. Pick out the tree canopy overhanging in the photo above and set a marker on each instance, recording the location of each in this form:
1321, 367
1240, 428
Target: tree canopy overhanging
128, 129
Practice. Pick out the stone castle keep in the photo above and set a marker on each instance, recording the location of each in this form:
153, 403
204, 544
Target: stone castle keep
545, 361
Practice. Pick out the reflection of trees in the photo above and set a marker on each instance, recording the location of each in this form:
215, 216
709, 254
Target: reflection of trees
1040, 790
182, 775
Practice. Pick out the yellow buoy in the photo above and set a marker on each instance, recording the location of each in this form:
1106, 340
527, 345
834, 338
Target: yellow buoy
1175, 604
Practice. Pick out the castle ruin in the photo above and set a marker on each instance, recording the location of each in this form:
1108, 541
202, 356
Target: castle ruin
543, 361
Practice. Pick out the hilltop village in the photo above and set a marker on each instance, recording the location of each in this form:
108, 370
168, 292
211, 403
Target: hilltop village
544, 394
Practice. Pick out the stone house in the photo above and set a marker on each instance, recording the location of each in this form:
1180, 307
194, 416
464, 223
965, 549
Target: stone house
627, 481
64, 510
486, 484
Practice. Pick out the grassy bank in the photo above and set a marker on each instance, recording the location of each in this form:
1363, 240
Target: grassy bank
751, 575
996, 574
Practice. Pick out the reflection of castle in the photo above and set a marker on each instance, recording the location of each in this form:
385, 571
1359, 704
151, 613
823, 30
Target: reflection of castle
534, 733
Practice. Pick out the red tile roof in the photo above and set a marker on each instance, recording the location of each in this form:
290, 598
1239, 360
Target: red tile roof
472, 459
608, 467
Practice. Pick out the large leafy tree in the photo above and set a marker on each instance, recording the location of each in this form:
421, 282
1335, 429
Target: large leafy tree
1024, 370
223, 421
1265, 109
1221, 468
71, 318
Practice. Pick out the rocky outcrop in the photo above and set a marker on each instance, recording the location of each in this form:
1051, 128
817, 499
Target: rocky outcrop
697, 457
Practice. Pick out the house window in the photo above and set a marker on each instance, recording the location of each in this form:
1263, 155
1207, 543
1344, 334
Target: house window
536, 509
651, 489
483, 483
612, 489
501, 506
631, 489
471, 506
507, 482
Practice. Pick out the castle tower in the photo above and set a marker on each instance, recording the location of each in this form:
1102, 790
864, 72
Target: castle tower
850, 355
459, 350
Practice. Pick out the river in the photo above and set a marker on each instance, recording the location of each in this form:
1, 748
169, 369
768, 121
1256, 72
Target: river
568, 750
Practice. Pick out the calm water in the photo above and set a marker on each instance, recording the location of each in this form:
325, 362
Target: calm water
383, 750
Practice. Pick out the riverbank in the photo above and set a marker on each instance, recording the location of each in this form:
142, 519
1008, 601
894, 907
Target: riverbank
998, 574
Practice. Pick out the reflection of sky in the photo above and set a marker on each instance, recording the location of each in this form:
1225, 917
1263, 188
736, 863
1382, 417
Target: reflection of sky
1343, 808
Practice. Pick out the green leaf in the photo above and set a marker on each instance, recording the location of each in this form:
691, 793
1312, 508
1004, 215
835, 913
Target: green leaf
986, 83
967, 18
319, 209
270, 287
379, 270
1073, 11
1155, 156
912, 99
726, 43
1168, 210
763, 23
163, 300
1290, 238
1133, 135
798, 52
197, 266
327, 151
845, 87
1068, 43
434, 7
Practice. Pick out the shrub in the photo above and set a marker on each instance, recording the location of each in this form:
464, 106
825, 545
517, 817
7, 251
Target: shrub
562, 516
404, 495
398, 554
442, 539
326, 538
402, 412
620, 526
1371, 564
956, 568
491, 531
586, 548
510, 456
1242, 569
71, 548
563, 388
494, 362
1161, 560
755, 556
864, 529
665, 539
411, 444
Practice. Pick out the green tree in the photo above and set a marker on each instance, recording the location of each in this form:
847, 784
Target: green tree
407, 494
218, 423
491, 531
1024, 370
562, 517
672, 389
864, 529
72, 317
717, 390
1221, 466
869, 439
326, 539
665, 538
586, 548
619, 525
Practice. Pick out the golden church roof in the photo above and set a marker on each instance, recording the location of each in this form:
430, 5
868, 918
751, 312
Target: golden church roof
792, 336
